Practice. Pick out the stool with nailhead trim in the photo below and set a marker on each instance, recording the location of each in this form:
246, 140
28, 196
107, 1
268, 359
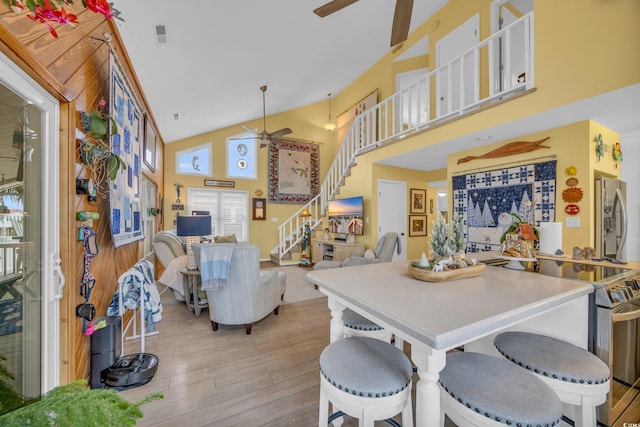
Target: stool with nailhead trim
578, 377
481, 390
356, 325
365, 378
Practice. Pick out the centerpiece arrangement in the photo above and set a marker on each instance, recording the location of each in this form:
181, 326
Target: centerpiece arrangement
448, 254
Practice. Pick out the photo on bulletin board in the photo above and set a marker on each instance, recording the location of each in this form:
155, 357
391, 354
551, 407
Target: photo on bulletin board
418, 199
417, 225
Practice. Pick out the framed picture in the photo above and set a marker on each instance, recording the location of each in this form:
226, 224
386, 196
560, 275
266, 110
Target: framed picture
417, 225
418, 201
219, 183
259, 209
149, 148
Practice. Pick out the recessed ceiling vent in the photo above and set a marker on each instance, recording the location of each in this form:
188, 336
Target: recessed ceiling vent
161, 34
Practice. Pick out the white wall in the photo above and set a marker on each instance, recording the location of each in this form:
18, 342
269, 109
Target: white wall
630, 172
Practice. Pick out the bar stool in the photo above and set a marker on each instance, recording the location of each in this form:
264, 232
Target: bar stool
356, 325
365, 378
578, 377
481, 390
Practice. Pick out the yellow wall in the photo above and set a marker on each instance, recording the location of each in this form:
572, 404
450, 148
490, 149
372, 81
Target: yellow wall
306, 124
577, 55
572, 145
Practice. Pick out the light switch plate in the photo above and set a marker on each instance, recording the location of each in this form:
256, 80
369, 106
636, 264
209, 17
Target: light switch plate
572, 222
275, 219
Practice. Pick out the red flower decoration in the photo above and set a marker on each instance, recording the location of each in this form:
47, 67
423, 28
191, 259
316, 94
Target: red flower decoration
98, 6
47, 12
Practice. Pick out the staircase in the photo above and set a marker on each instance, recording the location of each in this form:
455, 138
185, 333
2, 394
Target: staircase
403, 114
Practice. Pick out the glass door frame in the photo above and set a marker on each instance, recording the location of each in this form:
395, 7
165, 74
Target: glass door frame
14, 78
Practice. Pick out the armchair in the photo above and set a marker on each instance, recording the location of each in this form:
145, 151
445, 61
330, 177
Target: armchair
383, 253
169, 249
249, 294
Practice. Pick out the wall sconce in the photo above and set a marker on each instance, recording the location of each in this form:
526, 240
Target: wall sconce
329, 125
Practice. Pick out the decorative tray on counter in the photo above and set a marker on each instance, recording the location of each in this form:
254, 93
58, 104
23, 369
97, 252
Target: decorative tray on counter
427, 275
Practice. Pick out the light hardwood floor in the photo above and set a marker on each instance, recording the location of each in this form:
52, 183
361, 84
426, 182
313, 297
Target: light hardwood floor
228, 378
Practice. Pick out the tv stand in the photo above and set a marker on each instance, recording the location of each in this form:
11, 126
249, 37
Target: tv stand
334, 250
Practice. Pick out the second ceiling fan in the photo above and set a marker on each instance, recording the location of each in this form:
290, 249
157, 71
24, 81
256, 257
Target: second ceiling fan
265, 137
401, 17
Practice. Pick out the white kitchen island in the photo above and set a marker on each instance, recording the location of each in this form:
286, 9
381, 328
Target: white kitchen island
437, 317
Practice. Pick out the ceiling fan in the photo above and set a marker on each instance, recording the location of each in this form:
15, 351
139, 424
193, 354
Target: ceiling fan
401, 18
265, 137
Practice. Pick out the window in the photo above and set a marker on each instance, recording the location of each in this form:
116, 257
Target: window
195, 160
241, 157
229, 210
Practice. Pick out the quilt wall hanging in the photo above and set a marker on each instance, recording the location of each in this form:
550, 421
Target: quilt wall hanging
486, 200
124, 194
294, 171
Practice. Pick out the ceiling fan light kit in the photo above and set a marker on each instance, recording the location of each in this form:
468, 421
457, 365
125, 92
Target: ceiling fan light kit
401, 17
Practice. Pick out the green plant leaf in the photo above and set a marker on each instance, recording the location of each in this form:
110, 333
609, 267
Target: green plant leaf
97, 125
113, 165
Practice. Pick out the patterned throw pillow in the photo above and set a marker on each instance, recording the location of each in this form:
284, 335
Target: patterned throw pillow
225, 239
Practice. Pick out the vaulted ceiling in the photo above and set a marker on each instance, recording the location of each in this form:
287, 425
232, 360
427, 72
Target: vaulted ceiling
218, 54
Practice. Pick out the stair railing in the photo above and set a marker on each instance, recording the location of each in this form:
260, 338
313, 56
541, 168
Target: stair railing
408, 111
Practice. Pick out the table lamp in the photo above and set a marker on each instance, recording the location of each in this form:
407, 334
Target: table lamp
192, 228
306, 235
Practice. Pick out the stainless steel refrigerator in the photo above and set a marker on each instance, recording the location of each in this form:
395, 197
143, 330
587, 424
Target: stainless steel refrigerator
610, 216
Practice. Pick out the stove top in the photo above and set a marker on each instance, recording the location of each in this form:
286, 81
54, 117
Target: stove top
618, 290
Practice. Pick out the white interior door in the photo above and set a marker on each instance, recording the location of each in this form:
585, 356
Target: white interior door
504, 12
392, 212
413, 109
455, 85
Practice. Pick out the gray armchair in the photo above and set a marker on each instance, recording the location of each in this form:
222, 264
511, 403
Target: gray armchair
249, 294
383, 253
169, 249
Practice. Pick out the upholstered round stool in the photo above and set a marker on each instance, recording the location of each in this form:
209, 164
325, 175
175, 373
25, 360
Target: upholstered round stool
481, 390
356, 325
365, 378
577, 376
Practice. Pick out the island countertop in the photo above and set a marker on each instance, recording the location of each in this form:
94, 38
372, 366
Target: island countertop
446, 314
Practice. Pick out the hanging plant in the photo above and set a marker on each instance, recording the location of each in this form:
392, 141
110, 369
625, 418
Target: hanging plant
95, 151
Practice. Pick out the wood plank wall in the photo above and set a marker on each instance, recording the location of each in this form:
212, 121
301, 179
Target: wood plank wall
74, 69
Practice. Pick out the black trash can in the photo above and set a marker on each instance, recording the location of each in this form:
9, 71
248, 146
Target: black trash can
106, 347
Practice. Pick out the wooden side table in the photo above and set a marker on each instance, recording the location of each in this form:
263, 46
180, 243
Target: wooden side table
190, 284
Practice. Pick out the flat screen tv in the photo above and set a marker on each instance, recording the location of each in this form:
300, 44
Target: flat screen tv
346, 216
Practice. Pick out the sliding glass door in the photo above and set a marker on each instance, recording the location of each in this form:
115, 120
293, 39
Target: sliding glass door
30, 278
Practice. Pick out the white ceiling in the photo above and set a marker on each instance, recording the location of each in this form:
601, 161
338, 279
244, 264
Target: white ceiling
218, 54
217, 57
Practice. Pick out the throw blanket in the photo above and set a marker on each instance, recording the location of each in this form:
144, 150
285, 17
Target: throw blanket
130, 284
214, 261
171, 277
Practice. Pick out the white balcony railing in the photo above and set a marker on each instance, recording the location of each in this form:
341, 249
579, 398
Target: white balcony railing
459, 87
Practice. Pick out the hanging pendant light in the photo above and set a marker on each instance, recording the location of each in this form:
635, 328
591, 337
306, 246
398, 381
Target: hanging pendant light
329, 125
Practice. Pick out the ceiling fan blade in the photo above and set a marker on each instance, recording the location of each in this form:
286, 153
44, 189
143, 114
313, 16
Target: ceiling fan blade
401, 21
250, 130
332, 6
281, 132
